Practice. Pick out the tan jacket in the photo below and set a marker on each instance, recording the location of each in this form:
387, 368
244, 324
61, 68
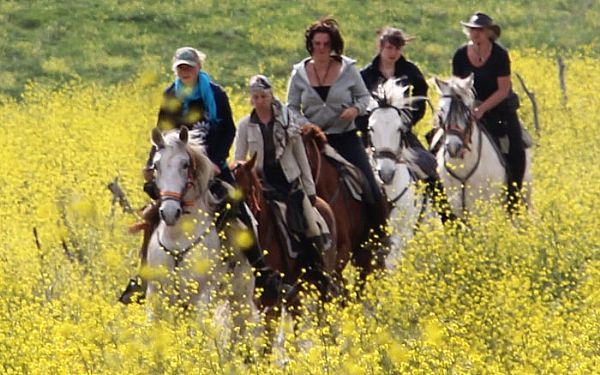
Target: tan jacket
289, 152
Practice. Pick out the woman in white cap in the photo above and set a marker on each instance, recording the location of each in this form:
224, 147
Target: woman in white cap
195, 101
272, 133
498, 104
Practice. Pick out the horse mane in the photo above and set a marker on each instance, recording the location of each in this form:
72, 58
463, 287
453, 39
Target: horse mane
391, 93
316, 133
461, 88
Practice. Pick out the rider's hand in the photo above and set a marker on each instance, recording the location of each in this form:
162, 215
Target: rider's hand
478, 113
349, 113
148, 173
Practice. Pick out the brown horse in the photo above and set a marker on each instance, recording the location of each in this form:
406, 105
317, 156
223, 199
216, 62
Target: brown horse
295, 270
352, 228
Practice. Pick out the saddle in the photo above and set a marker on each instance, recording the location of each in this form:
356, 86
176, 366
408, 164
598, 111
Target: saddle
351, 175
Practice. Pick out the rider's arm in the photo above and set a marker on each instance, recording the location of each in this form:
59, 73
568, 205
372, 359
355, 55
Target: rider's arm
504, 87
222, 133
241, 140
306, 174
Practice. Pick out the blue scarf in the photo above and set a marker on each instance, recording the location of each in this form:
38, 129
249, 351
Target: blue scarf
201, 90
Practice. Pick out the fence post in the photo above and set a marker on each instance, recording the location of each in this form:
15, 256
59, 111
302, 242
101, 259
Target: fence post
561, 78
531, 96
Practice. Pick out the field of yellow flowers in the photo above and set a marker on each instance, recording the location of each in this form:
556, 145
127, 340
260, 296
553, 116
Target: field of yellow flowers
499, 297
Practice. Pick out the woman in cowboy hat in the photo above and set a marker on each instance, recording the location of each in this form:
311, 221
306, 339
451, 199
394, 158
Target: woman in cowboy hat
489, 62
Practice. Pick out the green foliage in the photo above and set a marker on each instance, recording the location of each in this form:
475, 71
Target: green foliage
497, 297
110, 41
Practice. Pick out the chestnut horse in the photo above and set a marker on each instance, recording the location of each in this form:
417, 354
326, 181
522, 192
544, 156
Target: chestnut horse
296, 269
352, 228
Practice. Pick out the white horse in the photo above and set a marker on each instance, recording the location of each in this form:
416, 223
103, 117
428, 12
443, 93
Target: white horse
469, 165
389, 120
185, 256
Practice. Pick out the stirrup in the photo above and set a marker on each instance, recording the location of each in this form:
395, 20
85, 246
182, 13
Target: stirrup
134, 292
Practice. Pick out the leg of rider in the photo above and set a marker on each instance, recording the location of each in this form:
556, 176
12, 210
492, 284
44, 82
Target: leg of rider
516, 157
362, 123
314, 233
434, 188
351, 148
252, 253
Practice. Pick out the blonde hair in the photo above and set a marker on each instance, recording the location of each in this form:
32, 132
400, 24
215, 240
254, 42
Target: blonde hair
491, 35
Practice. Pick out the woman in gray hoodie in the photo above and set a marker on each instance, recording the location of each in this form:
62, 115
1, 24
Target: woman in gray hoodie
327, 90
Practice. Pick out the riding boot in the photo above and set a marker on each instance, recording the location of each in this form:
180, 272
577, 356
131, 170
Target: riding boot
436, 191
513, 191
136, 287
265, 277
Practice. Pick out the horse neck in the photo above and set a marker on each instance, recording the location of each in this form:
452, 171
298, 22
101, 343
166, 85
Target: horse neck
313, 154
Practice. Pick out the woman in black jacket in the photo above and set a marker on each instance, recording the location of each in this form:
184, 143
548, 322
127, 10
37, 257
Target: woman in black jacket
391, 63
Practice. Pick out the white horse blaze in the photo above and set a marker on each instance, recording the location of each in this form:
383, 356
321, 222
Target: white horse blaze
386, 125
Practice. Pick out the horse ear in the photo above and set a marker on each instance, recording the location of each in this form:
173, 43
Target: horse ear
183, 134
469, 80
157, 138
441, 85
250, 164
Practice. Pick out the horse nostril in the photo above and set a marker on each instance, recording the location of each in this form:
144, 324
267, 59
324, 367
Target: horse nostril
161, 213
178, 213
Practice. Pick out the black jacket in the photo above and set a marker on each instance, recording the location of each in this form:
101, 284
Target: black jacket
218, 135
410, 76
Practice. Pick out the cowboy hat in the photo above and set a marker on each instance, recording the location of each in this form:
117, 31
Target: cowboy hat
482, 21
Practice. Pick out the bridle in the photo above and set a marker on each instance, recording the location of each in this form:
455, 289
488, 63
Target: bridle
451, 126
388, 152
166, 195
465, 136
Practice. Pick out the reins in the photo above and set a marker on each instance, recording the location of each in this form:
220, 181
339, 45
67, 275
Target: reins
464, 180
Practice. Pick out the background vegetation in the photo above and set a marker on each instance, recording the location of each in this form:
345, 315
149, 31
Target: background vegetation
112, 40
502, 297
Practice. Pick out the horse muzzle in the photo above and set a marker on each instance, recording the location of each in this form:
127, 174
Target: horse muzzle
170, 211
454, 147
386, 170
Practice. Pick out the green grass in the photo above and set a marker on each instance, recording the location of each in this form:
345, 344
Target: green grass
110, 41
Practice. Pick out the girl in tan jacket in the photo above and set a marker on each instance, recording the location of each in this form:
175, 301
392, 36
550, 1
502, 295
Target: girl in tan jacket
272, 133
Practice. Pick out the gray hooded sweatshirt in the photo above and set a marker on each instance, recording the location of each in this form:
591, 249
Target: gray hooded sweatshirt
348, 90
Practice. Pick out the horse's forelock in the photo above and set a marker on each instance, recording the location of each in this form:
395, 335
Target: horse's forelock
393, 92
461, 88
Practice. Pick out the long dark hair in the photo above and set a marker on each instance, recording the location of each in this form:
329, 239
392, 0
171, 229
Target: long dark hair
329, 26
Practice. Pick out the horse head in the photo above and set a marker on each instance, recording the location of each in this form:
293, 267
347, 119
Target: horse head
248, 182
182, 172
454, 114
390, 118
